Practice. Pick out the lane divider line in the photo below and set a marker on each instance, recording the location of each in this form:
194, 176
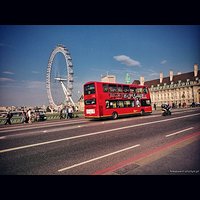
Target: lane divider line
31, 126
98, 158
179, 132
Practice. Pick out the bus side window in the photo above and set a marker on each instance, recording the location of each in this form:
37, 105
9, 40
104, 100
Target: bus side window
145, 90
112, 88
105, 87
107, 104
127, 104
138, 104
111, 104
126, 88
120, 88
132, 90
120, 104
114, 104
139, 90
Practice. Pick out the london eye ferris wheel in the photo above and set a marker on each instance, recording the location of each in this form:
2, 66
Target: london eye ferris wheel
59, 78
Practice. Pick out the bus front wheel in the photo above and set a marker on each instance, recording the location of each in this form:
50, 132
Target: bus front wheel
114, 115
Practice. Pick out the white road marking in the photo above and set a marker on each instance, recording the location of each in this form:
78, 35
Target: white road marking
39, 126
97, 158
179, 132
95, 133
3, 137
45, 131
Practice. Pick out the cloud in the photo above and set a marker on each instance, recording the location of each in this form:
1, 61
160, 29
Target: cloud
127, 60
163, 62
2, 79
7, 72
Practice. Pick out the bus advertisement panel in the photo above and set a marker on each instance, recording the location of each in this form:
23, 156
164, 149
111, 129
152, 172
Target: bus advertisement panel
103, 99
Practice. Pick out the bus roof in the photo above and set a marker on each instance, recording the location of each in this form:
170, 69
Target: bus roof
133, 85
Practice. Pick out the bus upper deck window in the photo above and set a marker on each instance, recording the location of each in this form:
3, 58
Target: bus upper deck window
89, 89
120, 88
126, 88
112, 88
145, 90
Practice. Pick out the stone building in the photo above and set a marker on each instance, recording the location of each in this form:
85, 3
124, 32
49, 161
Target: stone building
80, 103
108, 78
177, 89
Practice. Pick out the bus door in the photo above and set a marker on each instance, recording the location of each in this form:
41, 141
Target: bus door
100, 111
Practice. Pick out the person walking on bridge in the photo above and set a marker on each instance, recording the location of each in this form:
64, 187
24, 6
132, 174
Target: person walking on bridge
29, 116
8, 118
154, 105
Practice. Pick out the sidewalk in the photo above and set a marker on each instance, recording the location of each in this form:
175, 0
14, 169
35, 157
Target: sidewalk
183, 161
159, 110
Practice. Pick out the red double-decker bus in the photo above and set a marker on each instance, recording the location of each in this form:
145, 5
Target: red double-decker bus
104, 99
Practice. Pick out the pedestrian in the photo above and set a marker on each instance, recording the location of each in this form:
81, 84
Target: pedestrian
154, 106
23, 117
70, 112
8, 118
29, 116
26, 117
67, 112
61, 114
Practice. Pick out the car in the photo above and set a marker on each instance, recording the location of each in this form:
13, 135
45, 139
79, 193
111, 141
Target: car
40, 116
195, 104
3, 114
16, 113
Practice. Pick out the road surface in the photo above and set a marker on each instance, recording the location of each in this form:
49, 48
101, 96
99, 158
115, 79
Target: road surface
139, 145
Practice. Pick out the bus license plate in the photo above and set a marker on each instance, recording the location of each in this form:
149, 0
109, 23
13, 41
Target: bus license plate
90, 111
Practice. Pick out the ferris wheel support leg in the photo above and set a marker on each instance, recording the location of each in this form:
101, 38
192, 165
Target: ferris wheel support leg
67, 93
72, 102
64, 90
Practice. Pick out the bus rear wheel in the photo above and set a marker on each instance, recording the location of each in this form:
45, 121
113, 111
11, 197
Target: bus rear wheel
142, 112
114, 115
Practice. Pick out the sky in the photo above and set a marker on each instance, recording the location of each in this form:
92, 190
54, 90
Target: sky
96, 50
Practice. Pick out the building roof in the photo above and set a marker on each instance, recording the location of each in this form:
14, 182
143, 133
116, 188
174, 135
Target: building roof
176, 78
136, 82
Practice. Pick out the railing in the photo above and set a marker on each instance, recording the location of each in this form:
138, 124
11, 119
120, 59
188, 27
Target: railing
54, 116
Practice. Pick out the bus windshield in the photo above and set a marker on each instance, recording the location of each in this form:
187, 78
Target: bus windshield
89, 89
